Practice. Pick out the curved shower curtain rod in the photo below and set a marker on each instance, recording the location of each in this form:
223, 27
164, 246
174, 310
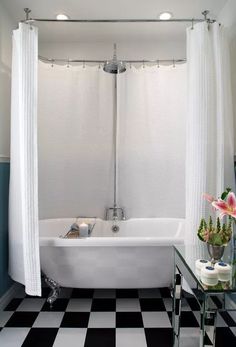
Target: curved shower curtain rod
69, 61
154, 20
156, 61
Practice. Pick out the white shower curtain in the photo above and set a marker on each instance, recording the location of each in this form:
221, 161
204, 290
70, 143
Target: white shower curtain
75, 121
151, 141
209, 142
24, 263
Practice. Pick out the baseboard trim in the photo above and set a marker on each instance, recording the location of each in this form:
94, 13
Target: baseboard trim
4, 159
9, 295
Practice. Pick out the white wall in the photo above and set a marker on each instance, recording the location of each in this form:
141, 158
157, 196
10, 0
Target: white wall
228, 18
233, 76
233, 79
6, 27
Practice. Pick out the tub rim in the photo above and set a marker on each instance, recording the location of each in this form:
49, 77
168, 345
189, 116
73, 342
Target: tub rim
115, 240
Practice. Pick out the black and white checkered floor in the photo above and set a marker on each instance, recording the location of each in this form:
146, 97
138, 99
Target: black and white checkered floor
106, 318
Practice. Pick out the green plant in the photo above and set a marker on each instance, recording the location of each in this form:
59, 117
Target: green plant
218, 234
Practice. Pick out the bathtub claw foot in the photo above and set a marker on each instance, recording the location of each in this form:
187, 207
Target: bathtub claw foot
171, 291
55, 290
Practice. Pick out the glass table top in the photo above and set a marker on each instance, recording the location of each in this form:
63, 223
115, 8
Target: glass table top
187, 255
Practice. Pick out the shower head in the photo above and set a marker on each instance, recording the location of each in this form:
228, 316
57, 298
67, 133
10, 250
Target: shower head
114, 66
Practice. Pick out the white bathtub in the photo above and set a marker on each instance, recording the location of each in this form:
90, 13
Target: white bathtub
139, 255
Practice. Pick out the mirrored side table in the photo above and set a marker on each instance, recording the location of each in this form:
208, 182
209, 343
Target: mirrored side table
224, 293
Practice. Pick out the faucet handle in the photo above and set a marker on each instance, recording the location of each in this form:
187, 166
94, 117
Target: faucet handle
122, 210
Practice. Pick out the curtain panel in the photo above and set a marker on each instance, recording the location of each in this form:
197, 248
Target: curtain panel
209, 131
24, 261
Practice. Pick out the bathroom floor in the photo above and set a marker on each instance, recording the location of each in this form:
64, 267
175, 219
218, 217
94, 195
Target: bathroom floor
106, 318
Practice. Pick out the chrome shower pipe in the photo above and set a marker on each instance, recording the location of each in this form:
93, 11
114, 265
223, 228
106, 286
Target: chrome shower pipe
117, 212
115, 120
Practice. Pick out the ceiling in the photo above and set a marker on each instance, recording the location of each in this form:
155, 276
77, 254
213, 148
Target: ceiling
111, 9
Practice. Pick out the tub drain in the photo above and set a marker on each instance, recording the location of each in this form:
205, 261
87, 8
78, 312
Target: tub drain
115, 228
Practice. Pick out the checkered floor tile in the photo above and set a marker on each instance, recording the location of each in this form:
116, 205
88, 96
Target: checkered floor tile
107, 318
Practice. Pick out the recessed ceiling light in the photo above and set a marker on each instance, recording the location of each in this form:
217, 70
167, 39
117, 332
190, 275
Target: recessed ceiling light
165, 15
62, 16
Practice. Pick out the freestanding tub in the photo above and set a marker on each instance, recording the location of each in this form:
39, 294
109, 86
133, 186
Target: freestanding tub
139, 255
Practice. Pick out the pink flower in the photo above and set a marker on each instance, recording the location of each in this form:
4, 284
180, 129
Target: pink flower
208, 197
206, 235
228, 207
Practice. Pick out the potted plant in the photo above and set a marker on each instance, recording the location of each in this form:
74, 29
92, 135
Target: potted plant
217, 235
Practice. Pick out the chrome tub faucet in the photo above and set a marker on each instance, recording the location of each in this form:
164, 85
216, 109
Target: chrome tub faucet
115, 213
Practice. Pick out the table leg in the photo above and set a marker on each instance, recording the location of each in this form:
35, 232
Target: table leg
207, 326
176, 307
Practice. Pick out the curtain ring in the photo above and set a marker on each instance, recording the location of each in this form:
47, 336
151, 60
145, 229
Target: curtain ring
192, 24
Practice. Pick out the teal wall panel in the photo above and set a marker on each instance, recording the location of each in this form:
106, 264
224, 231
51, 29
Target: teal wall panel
5, 281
